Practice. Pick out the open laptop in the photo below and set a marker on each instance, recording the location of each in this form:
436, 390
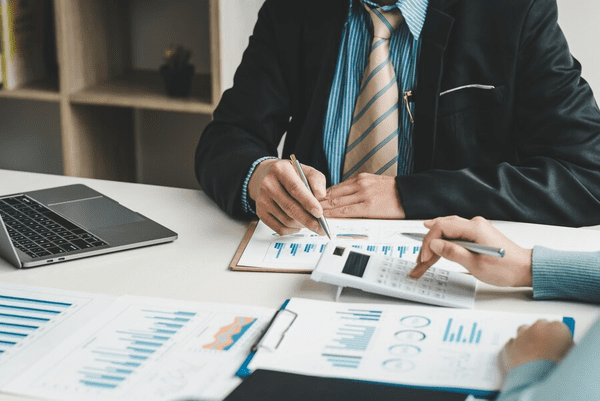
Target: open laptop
71, 222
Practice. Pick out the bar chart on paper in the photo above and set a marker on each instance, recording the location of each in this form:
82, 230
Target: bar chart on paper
402, 344
462, 333
34, 318
23, 317
147, 349
301, 251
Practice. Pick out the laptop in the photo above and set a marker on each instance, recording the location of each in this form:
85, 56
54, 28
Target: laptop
70, 222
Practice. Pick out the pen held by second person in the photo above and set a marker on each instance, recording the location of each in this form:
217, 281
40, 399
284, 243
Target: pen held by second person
514, 269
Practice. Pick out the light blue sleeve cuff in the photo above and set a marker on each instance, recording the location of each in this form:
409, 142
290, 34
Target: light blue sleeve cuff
521, 379
566, 275
245, 197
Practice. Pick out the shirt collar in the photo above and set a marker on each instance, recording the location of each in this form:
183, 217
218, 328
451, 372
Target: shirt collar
413, 11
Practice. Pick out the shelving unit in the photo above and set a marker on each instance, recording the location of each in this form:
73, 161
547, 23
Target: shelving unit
102, 84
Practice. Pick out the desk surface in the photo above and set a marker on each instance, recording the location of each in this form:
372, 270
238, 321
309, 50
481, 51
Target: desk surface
195, 266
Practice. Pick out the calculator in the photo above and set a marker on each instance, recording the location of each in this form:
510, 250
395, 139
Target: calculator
345, 266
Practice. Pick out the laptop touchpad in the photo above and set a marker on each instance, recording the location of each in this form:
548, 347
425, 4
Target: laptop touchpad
96, 213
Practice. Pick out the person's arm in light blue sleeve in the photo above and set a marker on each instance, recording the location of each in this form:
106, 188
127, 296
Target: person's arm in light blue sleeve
576, 378
566, 275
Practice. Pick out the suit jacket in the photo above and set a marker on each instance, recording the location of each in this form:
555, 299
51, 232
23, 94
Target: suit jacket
527, 150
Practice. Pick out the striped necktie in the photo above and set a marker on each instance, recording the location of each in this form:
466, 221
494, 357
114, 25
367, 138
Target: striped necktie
373, 140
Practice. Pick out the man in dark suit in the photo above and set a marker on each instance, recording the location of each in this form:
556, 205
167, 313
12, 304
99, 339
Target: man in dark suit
504, 126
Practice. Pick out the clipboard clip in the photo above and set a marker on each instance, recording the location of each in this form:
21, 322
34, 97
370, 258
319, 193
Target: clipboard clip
275, 331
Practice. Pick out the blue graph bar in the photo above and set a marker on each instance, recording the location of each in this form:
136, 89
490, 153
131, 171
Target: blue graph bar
447, 329
26, 309
309, 247
35, 301
322, 248
9, 334
387, 250
353, 337
473, 337
402, 250
357, 314
371, 248
98, 384
294, 247
473, 332
173, 319
343, 361
460, 330
163, 331
18, 326
20, 317
171, 325
279, 246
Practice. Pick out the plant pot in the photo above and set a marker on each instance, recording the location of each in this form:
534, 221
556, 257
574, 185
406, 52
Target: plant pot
178, 82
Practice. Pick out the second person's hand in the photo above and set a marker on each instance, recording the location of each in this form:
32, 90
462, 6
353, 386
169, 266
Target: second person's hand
514, 269
282, 200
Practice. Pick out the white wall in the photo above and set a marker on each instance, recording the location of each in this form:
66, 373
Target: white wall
579, 21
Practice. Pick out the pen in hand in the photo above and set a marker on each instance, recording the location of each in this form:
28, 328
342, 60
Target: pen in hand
471, 246
300, 172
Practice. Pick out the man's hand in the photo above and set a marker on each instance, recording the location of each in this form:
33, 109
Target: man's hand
282, 200
365, 196
542, 340
514, 269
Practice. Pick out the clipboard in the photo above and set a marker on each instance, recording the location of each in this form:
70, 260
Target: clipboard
275, 334
234, 265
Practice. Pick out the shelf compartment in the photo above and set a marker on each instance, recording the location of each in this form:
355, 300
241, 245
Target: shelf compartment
146, 90
44, 90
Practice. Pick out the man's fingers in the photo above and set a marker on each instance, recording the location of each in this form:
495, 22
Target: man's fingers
317, 182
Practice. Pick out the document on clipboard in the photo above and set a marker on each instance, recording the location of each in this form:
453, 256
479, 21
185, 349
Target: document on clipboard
415, 346
262, 249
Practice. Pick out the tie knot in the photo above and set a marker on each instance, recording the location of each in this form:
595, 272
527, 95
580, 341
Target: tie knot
384, 22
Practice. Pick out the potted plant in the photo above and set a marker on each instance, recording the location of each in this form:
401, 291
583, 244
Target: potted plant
177, 71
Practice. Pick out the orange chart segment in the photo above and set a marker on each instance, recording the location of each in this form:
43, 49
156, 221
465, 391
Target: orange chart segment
228, 335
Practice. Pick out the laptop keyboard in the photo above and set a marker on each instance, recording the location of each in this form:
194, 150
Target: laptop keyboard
39, 232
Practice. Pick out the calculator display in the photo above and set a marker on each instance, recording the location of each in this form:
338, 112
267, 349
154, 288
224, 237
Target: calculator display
356, 263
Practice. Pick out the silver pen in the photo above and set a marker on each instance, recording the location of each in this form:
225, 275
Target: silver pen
471, 246
300, 172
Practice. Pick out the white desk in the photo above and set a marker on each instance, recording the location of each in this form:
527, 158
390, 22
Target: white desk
195, 266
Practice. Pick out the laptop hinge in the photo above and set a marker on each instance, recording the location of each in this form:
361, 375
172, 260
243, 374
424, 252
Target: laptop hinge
7, 250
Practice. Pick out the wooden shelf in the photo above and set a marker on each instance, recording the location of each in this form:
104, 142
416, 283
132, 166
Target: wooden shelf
44, 90
145, 90
106, 54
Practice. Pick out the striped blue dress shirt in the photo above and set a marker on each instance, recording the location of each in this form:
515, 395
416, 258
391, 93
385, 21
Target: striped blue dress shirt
352, 59
405, 44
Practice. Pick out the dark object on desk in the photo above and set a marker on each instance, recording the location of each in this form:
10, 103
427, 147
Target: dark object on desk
265, 385
177, 72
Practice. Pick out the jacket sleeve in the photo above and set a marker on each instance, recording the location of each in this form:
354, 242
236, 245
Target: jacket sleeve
555, 128
249, 121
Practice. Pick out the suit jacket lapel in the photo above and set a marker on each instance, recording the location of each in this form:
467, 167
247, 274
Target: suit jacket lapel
435, 35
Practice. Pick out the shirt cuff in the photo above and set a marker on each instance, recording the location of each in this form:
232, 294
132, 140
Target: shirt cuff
246, 201
565, 274
526, 375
